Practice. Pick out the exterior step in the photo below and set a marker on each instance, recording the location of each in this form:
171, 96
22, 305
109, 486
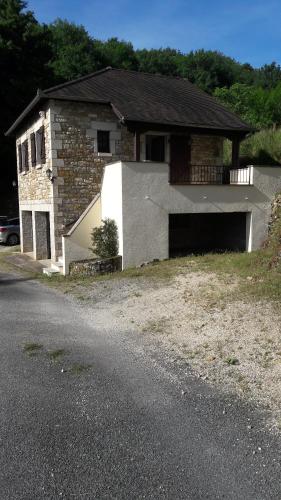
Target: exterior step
50, 271
56, 265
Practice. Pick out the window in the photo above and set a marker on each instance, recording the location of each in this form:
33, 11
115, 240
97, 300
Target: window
24, 151
40, 146
103, 141
19, 158
155, 147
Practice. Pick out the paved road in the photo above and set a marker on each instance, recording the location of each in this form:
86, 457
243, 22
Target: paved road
121, 429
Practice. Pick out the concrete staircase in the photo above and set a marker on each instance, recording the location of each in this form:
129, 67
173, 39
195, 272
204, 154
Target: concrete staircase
55, 268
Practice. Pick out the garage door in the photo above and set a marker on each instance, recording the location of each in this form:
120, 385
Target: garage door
201, 233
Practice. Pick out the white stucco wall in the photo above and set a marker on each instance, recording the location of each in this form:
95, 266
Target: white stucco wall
139, 197
76, 244
111, 198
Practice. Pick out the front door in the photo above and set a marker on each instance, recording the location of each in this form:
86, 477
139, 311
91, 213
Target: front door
180, 155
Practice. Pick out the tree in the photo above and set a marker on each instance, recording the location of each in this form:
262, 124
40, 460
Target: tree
255, 105
209, 69
118, 53
164, 61
74, 52
24, 55
268, 76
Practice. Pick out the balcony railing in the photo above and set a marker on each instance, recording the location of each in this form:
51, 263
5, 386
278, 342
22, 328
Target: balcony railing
211, 174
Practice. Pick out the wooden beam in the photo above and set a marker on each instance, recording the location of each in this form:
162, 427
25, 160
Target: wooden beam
137, 145
235, 151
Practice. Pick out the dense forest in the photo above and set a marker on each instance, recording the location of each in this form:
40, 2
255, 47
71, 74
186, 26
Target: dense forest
35, 55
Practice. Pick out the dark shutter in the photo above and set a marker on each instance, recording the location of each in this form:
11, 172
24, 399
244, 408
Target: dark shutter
19, 158
26, 163
40, 146
24, 150
43, 149
33, 149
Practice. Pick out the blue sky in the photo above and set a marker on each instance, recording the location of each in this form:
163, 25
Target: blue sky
247, 30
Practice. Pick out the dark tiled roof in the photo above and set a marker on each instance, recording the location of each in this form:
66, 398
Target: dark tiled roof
150, 98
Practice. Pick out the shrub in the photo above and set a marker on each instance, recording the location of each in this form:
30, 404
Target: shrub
261, 148
105, 239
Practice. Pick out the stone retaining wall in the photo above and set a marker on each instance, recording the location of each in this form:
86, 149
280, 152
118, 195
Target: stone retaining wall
94, 267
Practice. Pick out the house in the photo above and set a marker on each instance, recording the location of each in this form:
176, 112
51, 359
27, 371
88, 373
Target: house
145, 150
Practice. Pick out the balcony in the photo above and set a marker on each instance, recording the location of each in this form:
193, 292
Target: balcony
212, 175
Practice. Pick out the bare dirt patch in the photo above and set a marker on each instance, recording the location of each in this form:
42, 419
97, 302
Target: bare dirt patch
202, 320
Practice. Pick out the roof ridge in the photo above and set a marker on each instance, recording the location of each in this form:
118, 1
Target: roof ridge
76, 80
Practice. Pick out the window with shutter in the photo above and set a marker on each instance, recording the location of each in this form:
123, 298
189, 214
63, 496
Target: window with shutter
40, 146
33, 149
24, 149
43, 151
20, 158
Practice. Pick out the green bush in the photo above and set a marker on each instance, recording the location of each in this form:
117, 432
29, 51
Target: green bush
262, 148
105, 239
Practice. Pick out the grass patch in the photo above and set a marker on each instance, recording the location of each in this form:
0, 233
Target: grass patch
231, 361
56, 354
78, 369
257, 279
32, 348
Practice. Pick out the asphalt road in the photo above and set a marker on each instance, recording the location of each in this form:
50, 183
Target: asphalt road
122, 429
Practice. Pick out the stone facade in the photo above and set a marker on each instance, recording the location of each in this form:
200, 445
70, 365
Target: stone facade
206, 150
33, 184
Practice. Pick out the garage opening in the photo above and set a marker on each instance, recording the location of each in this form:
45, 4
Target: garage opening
202, 233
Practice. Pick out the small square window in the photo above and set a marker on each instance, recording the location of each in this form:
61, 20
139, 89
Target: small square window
103, 141
155, 147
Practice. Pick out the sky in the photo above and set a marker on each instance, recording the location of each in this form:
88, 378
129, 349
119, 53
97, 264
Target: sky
247, 30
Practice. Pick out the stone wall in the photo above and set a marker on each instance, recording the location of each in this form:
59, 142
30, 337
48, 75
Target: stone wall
94, 267
33, 184
206, 150
77, 165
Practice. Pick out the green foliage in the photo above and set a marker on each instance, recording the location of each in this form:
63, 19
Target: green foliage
262, 148
105, 239
118, 54
257, 106
74, 52
24, 54
164, 61
268, 76
209, 69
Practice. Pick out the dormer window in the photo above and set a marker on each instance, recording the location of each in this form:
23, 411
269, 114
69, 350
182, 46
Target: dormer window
103, 141
155, 148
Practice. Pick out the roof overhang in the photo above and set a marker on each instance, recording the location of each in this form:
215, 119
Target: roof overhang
142, 126
41, 97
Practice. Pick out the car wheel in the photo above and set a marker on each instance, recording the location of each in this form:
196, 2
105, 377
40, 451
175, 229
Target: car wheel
13, 239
